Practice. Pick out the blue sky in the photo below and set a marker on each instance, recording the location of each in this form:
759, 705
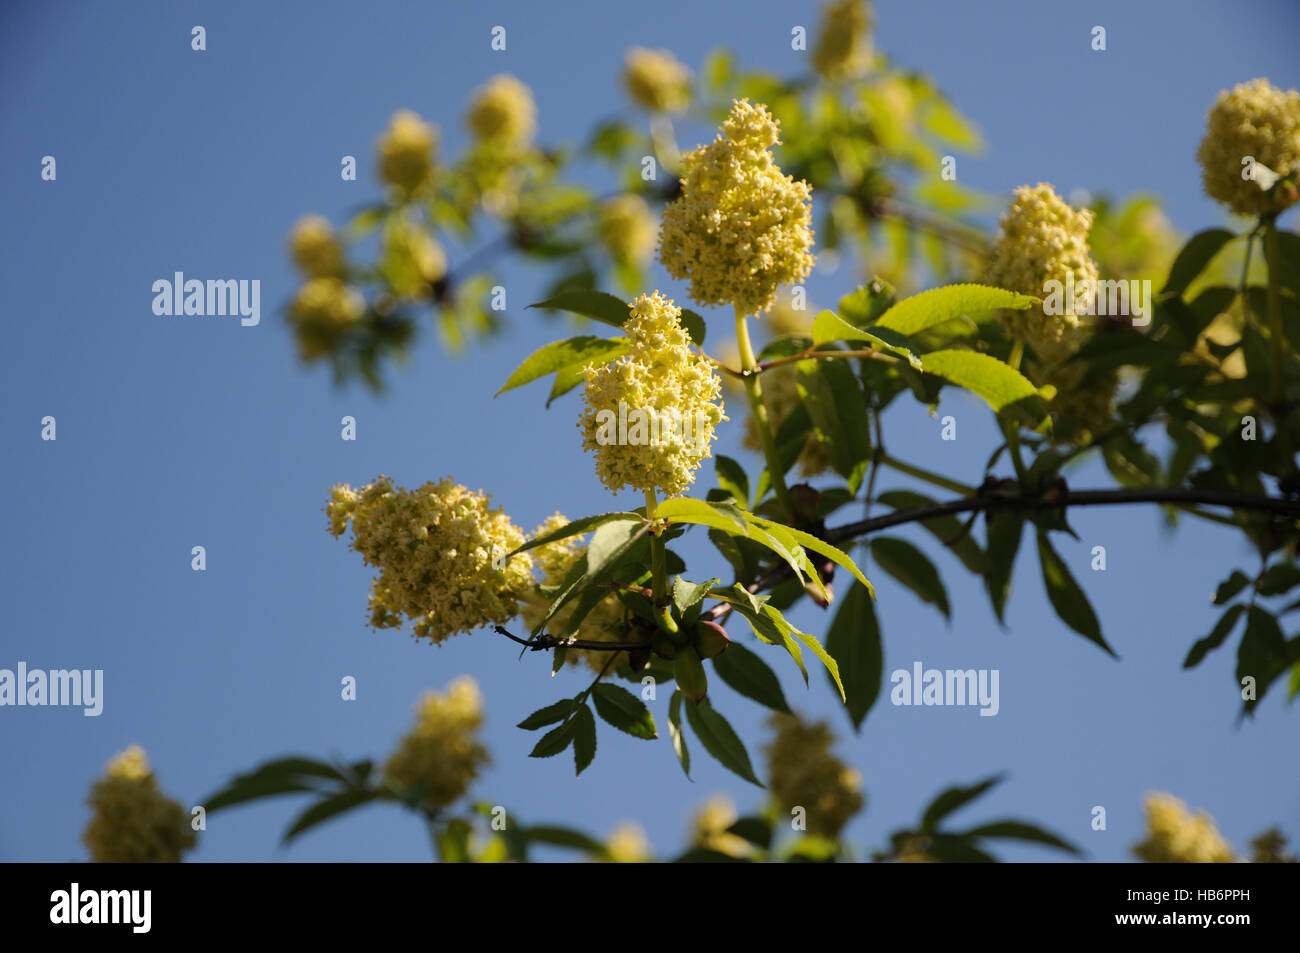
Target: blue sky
175, 432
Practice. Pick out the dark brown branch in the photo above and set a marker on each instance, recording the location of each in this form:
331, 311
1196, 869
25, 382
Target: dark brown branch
547, 641
1058, 500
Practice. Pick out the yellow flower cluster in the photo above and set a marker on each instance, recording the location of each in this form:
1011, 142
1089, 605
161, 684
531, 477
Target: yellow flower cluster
502, 113
661, 379
413, 260
1254, 119
1042, 238
627, 844
627, 228
709, 828
441, 756
406, 151
803, 772
843, 47
1177, 836
321, 311
316, 248
435, 549
656, 80
605, 623
740, 229
132, 821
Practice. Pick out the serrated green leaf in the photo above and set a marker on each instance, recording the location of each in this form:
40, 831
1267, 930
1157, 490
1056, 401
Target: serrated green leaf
948, 530
750, 676
925, 310
854, 641
832, 395
733, 479
1193, 257
584, 739
599, 305
553, 742
624, 710
719, 739
576, 528
687, 594
953, 798
1019, 830
575, 352
820, 547
1066, 597
327, 808
913, 569
548, 715
829, 326
675, 732
1005, 529
1222, 629
1001, 386
1230, 587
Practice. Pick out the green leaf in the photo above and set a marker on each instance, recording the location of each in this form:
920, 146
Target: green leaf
694, 325
812, 642
281, 776
953, 798
820, 547
599, 305
1005, 528
864, 305
925, 310
577, 528
563, 837
1000, 385
584, 738
685, 509
913, 569
687, 594
554, 741
1278, 578
1230, 587
733, 479
327, 808
364, 222
1222, 629
1066, 597
1019, 830
611, 543
676, 734
575, 352
949, 530
1261, 654
833, 398
854, 641
829, 326
756, 830
719, 740
1193, 257
750, 676
624, 710
548, 715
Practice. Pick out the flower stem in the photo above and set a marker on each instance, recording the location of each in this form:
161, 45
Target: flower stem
759, 412
926, 475
658, 559
1277, 339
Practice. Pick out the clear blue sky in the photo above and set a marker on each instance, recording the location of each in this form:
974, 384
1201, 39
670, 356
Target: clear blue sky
176, 432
